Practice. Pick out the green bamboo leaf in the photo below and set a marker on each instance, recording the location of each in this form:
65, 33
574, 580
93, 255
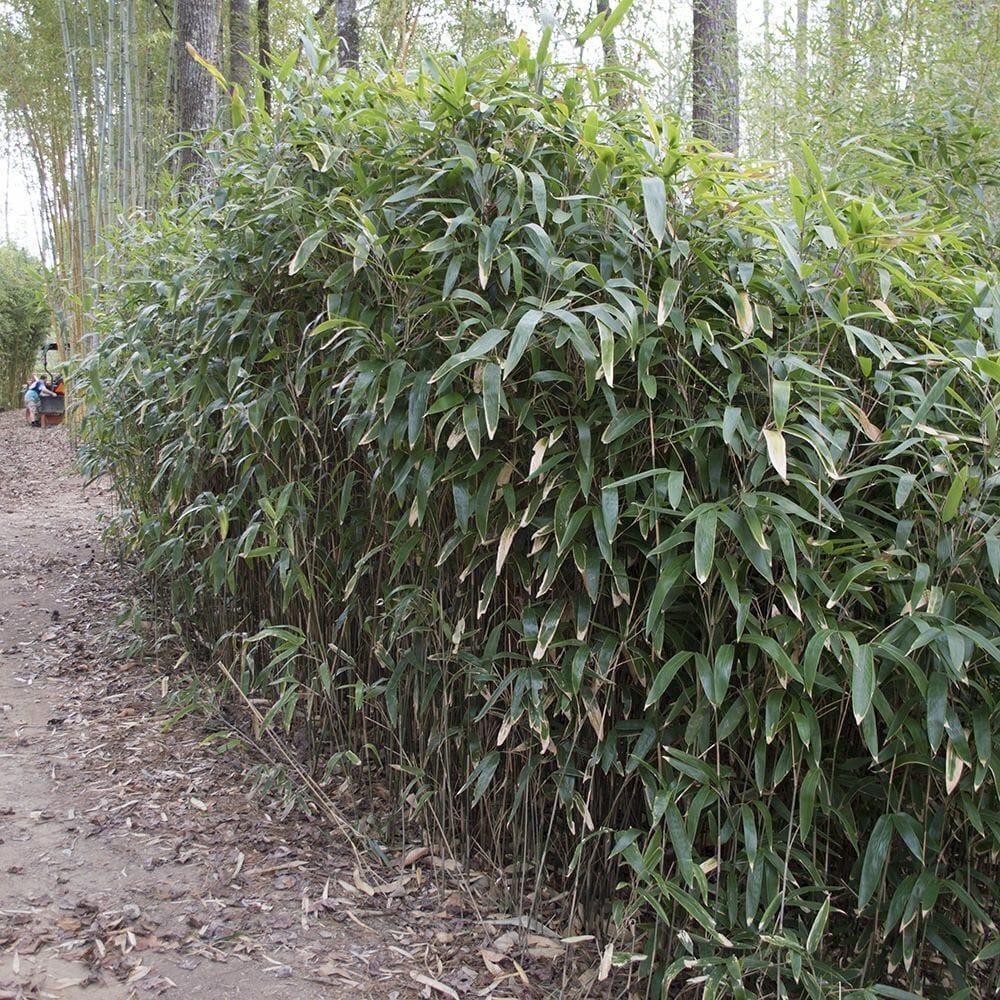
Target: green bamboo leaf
744, 313
695, 910
765, 318
992, 950
671, 572
730, 424
519, 341
954, 496
993, 555
547, 630
470, 422
894, 993
910, 833
482, 775
862, 680
988, 367
654, 195
621, 424
305, 250
393, 382
609, 510
749, 835
983, 734
818, 927
665, 675
417, 407
668, 295
593, 26
807, 801
722, 669
937, 706
811, 658
810, 162
491, 398
681, 841
903, 488
480, 348
778, 656
539, 196
775, 441
704, 544
780, 393
615, 17
607, 344
954, 765
874, 860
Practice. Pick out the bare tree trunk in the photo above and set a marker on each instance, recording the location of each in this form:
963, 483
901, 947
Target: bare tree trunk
264, 48
611, 58
715, 73
239, 42
801, 41
347, 29
840, 15
198, 24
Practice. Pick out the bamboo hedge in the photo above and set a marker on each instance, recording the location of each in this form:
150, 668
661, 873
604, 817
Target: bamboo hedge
24, 321
633, 512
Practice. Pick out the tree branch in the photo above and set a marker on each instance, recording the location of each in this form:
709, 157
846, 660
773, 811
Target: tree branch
159, 7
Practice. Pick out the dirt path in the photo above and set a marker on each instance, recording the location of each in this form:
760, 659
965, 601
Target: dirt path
134, 863
139, 863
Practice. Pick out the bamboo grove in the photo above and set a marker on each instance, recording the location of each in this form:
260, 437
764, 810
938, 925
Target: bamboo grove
633, 513
91, 109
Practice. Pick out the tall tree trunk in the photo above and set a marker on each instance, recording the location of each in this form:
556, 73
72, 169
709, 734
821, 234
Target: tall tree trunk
839, 14
264, 48
239, 42
347, 29
715, 73
198, 24
801, 41
611, 59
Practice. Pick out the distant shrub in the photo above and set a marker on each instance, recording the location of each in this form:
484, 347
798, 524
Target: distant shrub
645, 535
24, 320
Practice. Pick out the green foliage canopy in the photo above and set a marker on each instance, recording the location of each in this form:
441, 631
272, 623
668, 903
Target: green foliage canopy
24, 319
649, 530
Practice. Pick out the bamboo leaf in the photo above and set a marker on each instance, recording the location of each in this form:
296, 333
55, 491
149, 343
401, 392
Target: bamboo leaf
491, 398
704, 544
776, 451
780, 393
682, 843
862, 681
519, 341
807, 801
954, 496
937, 706
305, 250
665, 675
654, 196
815, 935
615, 17
668, 295
874, 860
539, 196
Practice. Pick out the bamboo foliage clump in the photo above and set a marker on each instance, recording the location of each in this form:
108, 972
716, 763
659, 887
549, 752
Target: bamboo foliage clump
642, 529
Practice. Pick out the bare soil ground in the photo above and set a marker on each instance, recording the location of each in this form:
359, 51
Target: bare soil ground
136, 862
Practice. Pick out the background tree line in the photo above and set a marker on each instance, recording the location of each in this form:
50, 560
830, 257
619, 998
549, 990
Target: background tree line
94, 93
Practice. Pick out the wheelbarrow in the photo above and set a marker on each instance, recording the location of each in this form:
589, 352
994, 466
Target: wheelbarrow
52, 409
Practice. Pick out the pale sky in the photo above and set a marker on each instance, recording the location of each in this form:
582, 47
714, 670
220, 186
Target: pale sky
19, 203
19, 189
